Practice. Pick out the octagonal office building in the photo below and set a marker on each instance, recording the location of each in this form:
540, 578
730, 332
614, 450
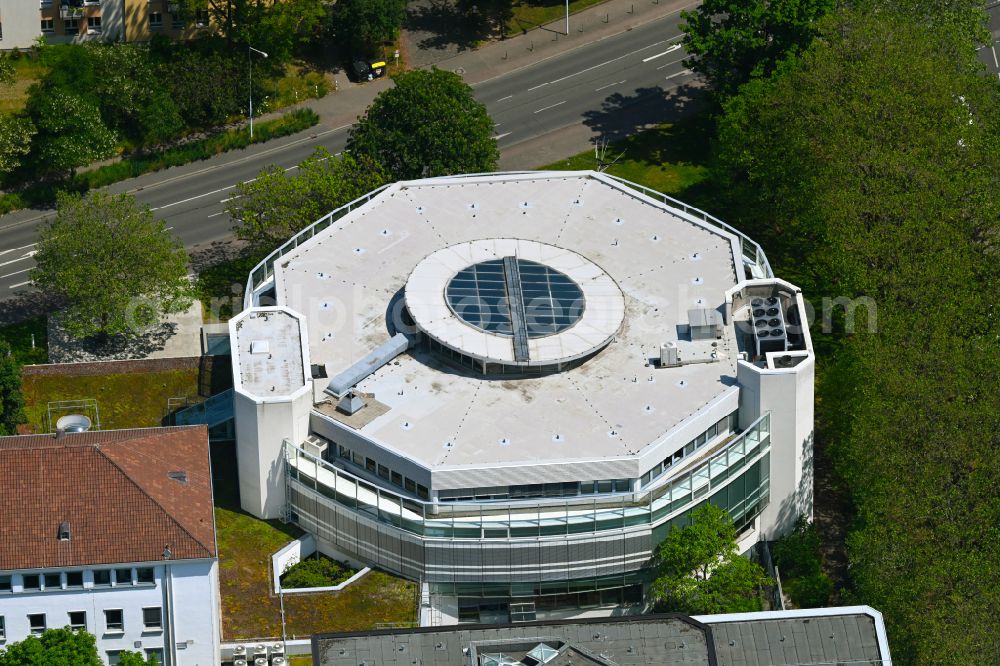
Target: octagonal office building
509, 387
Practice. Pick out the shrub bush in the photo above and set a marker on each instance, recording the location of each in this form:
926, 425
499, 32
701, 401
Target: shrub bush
811, 591
799, 564
318, 571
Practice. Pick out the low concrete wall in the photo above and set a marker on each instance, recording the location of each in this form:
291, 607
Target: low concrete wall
294, 553
112, 367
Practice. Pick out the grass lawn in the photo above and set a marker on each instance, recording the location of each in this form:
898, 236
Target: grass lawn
529, 14
249, 610
668, 158
27, 71
18, 336
127, 400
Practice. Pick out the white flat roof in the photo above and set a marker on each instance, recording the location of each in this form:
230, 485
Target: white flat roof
267, 348
348, 282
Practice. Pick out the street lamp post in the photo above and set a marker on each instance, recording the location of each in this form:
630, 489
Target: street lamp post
250, 53
567, 18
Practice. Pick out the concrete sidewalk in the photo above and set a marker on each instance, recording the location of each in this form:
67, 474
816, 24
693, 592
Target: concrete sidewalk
497, 58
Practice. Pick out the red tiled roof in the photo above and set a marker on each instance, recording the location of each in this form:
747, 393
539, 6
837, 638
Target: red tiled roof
113, 488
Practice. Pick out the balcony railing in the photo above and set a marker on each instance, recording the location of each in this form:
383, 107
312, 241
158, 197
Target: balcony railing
539, 517
66, 11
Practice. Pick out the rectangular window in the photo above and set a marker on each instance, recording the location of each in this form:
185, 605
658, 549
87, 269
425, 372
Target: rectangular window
155, 655
37, 623
53, 581
201, 17
370, 465
604, 486
383, 471
114, 657
123, 576
74, 579
102, 578
343, 451
587, 488
48, 25
31, 582
114, 621
155, 20
6, 584
3, 629
145, 576
357, 459
623, 485
711, 432
93, 24
78, 620
176, 21
152, 619
71, 26
422, 492
397, 479
410, 485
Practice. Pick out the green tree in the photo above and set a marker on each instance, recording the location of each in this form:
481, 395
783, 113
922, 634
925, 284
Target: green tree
70, 132
731, 41
272, 208
11, 400
55, 647
868, 168
116, 268
15, 141
700, 571
364, 24
316, 572
134, 658
429, 124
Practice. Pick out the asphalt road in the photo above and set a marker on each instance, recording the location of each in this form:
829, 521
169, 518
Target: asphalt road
598, 84
990, 53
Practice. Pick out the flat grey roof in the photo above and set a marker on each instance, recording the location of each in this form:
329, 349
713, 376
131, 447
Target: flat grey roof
267, 348
814, 637
348, 278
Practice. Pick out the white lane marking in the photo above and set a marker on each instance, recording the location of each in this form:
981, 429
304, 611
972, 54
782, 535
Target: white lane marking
215, 214
28, 255
15, 273
500, 136
609, 85
680, 73
551, 106
608, 62
20, 284
996, 62
504, 98
672, 62
15, 249
673, 47
197, 196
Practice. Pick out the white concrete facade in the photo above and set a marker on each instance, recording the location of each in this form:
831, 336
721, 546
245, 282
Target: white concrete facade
186, 594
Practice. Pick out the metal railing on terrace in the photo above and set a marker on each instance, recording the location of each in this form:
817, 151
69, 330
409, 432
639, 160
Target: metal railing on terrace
264, 271
540, 517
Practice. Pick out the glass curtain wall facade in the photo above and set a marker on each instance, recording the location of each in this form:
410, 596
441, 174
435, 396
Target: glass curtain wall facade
547, 546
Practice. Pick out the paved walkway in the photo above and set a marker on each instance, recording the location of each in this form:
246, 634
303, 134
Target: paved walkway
497, 58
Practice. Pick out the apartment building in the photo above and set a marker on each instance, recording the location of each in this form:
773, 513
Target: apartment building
112, 533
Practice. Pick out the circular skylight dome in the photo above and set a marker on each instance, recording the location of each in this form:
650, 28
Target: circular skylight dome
547, 300
502, 302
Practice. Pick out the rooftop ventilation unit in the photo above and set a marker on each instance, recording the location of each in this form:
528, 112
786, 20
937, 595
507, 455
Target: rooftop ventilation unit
390, 349
350, 403
705, 323
315, 446
669, 355
768, 320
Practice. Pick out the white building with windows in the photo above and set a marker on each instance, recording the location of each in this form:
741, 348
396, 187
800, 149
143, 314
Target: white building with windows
511, 386
22, 22
113, 533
